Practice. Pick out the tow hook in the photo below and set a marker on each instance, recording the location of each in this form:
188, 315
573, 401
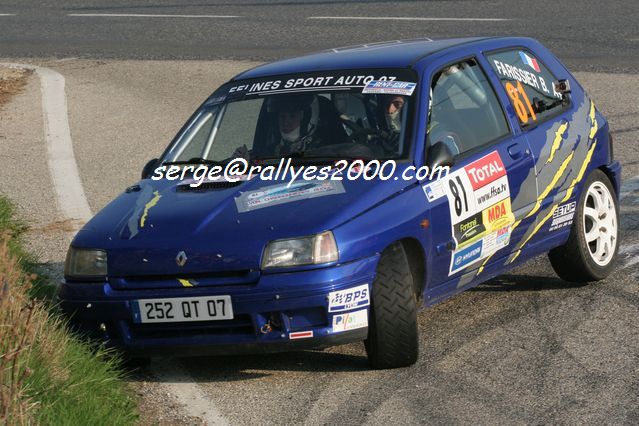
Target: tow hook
266, 328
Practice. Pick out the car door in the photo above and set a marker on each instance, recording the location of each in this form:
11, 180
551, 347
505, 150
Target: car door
558, 134
488, 188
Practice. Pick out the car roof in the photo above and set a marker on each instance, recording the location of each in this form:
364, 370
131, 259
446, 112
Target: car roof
387, 54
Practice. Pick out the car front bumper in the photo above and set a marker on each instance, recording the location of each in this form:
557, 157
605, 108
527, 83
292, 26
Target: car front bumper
291, 303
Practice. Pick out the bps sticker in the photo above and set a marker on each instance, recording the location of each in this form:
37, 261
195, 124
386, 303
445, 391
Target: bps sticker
350, 321
348, 299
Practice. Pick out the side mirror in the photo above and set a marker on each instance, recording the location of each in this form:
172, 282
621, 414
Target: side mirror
149, 168
439, 155
563, 88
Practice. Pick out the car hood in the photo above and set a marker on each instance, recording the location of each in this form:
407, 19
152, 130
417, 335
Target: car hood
221, 228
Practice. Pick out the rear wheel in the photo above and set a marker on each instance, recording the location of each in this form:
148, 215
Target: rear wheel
392, 335
591, 249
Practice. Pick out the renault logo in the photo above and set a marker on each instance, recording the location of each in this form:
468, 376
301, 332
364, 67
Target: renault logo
181, 259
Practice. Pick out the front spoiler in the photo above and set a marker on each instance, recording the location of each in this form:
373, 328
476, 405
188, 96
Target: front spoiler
284, 345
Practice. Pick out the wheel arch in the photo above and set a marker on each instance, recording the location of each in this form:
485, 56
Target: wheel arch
417, 262
613, 175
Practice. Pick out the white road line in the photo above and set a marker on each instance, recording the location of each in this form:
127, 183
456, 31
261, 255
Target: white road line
70, 197
72, 203
406, 18
196, 404
7, 14
146, 15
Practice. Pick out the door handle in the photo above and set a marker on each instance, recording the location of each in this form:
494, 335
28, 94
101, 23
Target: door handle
445, 247
515, 151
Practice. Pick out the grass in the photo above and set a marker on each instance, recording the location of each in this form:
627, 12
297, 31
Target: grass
47, 375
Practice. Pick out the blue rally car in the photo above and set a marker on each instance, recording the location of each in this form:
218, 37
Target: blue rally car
222, 266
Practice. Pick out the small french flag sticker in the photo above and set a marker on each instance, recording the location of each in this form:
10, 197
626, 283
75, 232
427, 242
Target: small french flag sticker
531, 62
300, 335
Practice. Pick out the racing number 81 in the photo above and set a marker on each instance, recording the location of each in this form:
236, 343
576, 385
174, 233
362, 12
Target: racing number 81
521, 108
461, 206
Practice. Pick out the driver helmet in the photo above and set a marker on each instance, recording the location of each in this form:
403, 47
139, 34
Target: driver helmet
306, 104
392, 119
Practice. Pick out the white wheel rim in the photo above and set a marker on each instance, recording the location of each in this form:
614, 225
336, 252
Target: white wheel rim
600, 223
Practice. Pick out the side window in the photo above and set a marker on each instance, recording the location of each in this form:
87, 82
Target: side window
464, 110
529, 85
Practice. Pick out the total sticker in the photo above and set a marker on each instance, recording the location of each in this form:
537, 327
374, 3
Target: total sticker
350, 321
348, 299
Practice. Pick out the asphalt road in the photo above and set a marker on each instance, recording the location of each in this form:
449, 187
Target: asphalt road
587, 35
524, 348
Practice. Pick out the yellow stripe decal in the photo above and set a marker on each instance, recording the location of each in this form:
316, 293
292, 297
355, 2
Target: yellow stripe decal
551, 185
580, 175
593, 120
574, 182
185, 283
559, 135
539, 225
555, 146
148, 207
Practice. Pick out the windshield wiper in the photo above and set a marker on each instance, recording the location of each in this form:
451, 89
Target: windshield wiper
195, 160
299, 154
315, 158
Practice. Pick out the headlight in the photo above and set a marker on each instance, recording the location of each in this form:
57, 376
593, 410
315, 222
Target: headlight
85, 263
320, 248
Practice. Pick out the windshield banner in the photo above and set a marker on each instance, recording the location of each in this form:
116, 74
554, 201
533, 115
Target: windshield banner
321, 82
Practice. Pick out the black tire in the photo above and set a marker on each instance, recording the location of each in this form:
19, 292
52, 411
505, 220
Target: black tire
573, 261
392, 334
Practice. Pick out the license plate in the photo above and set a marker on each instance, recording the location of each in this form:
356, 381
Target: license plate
183, 309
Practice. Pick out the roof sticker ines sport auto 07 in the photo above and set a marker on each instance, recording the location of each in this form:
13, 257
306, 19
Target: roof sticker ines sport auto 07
404, 82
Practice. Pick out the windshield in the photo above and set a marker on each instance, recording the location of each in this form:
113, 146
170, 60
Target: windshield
348, 122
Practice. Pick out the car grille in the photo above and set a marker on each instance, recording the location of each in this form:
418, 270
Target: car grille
208, 186
243, 278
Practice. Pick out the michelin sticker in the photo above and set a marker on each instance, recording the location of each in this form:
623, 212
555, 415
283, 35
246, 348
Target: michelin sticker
381, 87
350, 321
284, 193
563, 216
480, 210
351, 298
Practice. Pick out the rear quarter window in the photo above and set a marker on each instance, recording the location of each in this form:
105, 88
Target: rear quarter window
529, 85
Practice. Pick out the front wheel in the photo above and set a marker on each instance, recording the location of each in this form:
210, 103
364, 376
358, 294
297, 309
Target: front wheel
392, 334
591, 249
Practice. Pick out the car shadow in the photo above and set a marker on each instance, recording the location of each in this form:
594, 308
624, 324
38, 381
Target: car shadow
211, 369
524, 282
